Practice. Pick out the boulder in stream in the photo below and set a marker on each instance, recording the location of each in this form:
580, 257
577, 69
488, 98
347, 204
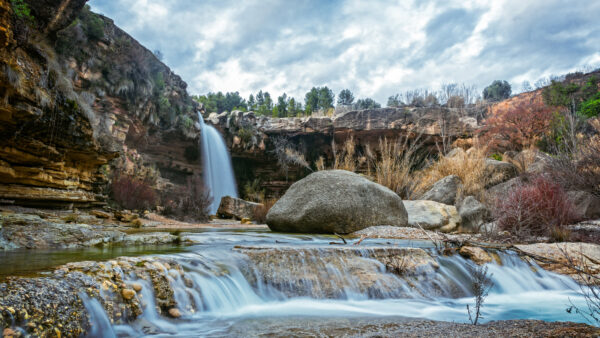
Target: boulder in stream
232, 207
336, 201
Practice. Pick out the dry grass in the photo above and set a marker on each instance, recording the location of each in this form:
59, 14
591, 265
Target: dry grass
523, 160
469, 167
345, 159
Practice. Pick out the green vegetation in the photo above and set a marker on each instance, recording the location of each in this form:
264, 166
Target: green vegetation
591, 107
219, 102
22, 10
92, 24
367, 103
582, 99
318, 98
345, 98
497, 91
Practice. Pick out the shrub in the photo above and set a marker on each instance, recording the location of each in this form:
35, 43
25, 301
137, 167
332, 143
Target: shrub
394, 167
591, 107
498, 90
132, 193
517, 128
21, 10
537, 208
189, 203
253, 192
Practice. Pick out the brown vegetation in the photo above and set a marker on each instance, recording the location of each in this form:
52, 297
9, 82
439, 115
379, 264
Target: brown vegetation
188, 203
132, 193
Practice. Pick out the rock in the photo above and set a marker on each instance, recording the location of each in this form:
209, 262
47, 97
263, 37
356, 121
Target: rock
174, 312
444, 190
128, 294
431, 215
497, 172
500, 190
10, 333
100, 214
586, 256
476, 254
586, 204
335, 201
456, 152
125, 216
137, 287
532, 161
232, 207
472, 214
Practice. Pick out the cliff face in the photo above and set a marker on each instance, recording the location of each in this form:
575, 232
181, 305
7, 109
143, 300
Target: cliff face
77, 94
253, 140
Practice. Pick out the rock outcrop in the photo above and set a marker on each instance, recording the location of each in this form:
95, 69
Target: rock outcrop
78, 93
253, 139
473, 214
335, 201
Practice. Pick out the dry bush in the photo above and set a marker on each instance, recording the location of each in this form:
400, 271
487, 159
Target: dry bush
189, 203
132, 193
260, 213
579, 169
523, 160
469, 167
345, 159
537, 208
287, 155
395, 165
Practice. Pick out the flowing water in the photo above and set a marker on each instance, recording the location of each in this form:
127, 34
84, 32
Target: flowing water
242, 278
216, 164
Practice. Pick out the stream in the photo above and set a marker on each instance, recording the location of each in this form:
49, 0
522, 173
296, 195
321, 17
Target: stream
240, 278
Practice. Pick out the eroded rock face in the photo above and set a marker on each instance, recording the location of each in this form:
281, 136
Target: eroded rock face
431, 215
335, 201
586, 205
232, 207
444, 190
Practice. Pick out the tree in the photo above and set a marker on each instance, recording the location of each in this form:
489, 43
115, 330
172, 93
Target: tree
367, 103
158, 54
326, 98
497, 91
282, 105
251, 102
294, 108
394, 101
526, 86
345, 97
319, 98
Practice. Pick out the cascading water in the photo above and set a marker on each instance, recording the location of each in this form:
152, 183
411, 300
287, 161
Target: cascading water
233, 280
218, 173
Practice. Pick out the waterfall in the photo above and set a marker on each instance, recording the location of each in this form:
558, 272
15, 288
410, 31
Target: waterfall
216, 162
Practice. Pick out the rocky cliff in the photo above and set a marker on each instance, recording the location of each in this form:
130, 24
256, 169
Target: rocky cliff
78, 94
254, 140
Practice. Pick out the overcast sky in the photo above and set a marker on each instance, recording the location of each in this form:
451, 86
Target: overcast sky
375, 48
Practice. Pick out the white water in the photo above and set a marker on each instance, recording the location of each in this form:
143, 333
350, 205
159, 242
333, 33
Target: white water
228, 289
216, 162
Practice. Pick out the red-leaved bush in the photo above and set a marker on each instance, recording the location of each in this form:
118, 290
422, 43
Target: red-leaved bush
190, 202
517, 128
132, 193
537, 208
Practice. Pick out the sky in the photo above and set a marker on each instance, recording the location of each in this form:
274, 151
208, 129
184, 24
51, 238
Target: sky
375, 48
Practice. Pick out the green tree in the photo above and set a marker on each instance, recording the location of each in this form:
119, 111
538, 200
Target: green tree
326, 98
394, 101
345, 97
311, 100
497, 91
282, 105
251, 102
367, 103
318, 98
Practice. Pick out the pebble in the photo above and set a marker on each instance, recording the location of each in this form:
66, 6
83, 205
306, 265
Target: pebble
137, 287
128, 294
174, 312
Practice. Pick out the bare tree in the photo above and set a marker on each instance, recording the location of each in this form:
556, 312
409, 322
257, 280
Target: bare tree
481, 285
589, 287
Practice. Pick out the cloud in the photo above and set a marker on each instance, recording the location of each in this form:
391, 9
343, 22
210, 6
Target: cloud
375, 48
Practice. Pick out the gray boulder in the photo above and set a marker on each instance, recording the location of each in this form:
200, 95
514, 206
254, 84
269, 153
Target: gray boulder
497, 172
586, 204
500, 190
473, 214
444, 190
232, 207
335, 201
431, 215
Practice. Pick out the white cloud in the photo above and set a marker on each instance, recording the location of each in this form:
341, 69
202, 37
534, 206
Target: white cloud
375, 48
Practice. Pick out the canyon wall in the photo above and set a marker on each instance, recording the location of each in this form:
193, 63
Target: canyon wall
79, 94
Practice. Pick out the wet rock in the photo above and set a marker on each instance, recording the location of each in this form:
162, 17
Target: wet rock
128, 294
444, 190
497, 172
174, 312
560, 257
332, 272
137, 287
476, 254
586, 204
432, 215
473, 214
335, 201
231, 207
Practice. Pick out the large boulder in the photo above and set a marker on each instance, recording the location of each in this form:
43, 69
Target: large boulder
473, 214
497, 172
335, 201
232, 207
502, 189
444, 190
432, 215
586, 204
